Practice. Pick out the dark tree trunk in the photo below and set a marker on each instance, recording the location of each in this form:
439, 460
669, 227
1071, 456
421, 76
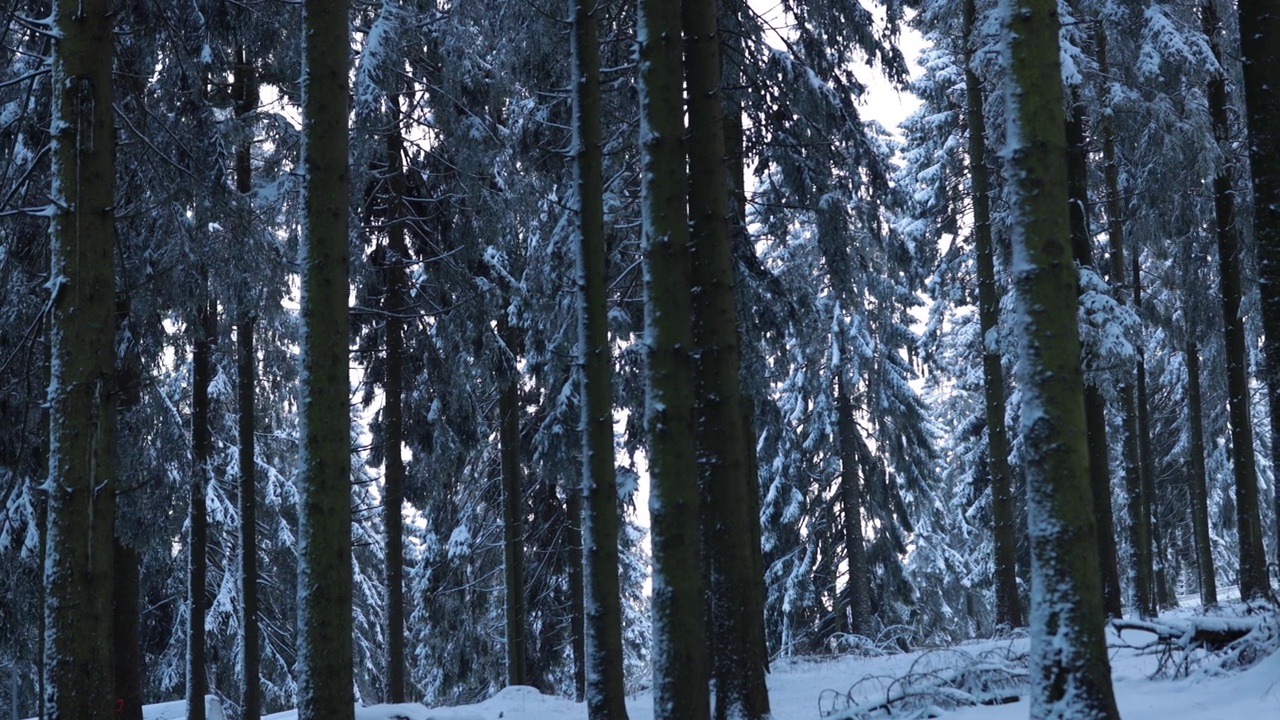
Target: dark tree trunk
206, 333
246, 363
577, 609
851, 504
324, 664
1069, 661
1008, 605
79, 682
1138, 469
735, 623
601, 614
1095, 403
512, 508
1261, 55
244, 91
679, 656
397, 302
735, 160
127, 614
1164, 599
1253, 568
1197, 481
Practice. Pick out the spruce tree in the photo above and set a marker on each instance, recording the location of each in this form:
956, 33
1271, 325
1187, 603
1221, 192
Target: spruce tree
1070, 672
324, 641
78, 577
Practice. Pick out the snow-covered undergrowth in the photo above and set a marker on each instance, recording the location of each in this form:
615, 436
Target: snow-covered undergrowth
947, 682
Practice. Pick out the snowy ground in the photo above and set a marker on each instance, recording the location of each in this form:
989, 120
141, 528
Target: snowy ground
796, 687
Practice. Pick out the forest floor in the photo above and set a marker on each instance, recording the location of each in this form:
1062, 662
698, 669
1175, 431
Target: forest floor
1149, 685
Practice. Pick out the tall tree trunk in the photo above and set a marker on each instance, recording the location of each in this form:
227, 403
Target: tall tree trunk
397, 302
1070, 672
1253, 568
127, 616
1008, 605
1095, 404
1197, 480
1164, 599
577, 608
78, 667
246, 363
1261, 55
851, 504
512, 509
324, 665
206, 333
602, 606
244, 92
736, 625
1138, 483
735, 162
679, 657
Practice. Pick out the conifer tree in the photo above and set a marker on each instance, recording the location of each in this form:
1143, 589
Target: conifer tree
78, 664
1070, 672
324, 514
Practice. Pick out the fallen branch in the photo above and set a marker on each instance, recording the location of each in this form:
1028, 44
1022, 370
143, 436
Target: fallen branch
1210, 633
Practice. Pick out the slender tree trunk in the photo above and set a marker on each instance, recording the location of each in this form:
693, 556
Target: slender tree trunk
1163, 598
737, 627
679, 656
1138, 469
244, 92
324, 665
512, 509
735, 161
602, 606
1261, 55
1262, 100
851, 502
1095, 403
577, 609
1253, 568
1071, 675
1197, 481
206, 332
1100, 489
246, 362
78, 668
127, 616
397, 259
1008, 605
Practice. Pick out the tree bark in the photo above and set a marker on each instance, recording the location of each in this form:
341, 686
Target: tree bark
397, 302
737, 627
603, 680
206, 332
851, 502
1253, 568
127, 614
1261, 56
1197, 481
78, 668
1138, 469
512, 509
250, 691
244, 91
735, 161
1095, 403
324, 665
679, 657
577, 610
1008, 604
1070, 672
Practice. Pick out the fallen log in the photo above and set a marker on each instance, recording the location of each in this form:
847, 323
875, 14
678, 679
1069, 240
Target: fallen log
1209, 633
